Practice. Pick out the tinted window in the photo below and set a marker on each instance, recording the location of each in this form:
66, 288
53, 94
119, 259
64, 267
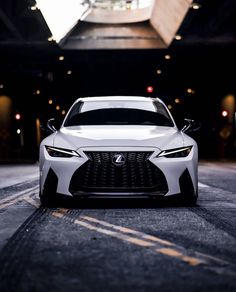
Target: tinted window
119, 116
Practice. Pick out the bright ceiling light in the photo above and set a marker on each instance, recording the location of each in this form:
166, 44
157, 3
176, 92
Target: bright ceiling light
62, 15
178, 37
121, 4
50, 39
167, 57
34, 7
196, 6
119, 11
177, 100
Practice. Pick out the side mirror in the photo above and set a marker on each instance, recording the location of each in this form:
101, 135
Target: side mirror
51, 127
190, 126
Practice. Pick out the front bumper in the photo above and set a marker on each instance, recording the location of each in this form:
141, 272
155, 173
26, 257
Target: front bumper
65, 168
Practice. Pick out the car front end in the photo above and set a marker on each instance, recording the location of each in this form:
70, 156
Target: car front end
118, 161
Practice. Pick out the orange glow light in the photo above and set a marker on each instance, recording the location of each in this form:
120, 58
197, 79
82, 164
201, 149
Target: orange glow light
167, 57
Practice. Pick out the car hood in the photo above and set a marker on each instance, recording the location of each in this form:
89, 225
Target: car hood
118, 136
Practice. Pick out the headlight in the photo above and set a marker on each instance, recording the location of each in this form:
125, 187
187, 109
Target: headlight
60, 152
175, 153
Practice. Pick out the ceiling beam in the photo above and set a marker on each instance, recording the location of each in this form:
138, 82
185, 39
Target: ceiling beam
114, 36
167, 16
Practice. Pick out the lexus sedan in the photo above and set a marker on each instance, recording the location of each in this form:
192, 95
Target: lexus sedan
118, 146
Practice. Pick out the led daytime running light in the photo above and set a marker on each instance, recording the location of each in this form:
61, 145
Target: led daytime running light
60, 150
176, 151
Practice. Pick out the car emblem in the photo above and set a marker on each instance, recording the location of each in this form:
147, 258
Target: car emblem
118, 159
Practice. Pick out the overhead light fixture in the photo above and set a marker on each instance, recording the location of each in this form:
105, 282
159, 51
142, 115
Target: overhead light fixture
167, 57
159, 72
190, 90
50, 101
18, 117
224, 113
61, 58
1, 86
195, 6
57, 107
177, 100
34, 7
62, 15
69, 72
178, 37
51, 39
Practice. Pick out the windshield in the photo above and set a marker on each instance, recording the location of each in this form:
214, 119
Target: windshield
83, 114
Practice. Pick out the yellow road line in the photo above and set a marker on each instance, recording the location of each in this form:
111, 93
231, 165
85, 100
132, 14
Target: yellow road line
137, 241
60, 213
169, 251
118, 235
140, 242
9, 199
174, 253
127, 230
192, 261
16, 198
156, 239
98, 229
12, 202
32, 201
140, 239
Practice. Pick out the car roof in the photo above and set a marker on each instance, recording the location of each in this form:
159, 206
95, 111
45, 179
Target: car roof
117, 98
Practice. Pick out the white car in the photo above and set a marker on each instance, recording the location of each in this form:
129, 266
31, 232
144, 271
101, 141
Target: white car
118, 146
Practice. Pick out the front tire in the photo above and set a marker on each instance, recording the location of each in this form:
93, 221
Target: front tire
46, 201
189, 201
47, 194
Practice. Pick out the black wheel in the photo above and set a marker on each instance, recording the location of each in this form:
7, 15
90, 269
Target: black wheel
47, 194
46, 201
188, 194
189, 201
55, 200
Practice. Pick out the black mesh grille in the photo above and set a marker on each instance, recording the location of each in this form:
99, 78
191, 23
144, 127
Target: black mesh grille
100, 174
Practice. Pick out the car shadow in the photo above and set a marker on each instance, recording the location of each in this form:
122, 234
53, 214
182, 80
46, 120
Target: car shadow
120, 203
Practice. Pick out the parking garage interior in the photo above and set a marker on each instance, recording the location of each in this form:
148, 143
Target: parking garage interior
189, 63
53, 52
